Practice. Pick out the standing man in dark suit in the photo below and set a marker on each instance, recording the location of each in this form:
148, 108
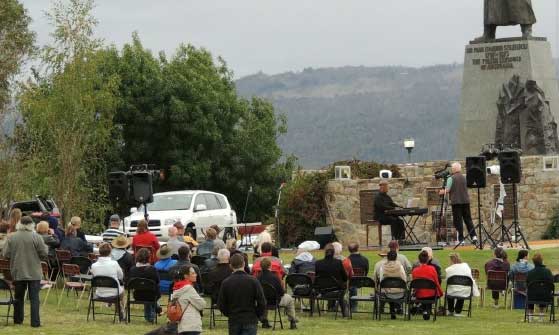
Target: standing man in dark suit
383, 203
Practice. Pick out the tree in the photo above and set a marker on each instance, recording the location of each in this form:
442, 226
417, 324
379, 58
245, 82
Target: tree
16, 42
68, 115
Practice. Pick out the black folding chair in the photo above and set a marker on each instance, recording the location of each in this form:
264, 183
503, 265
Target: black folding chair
7, 299
424, 284
273, 302
498, 281
104, 282
359, 283
328, 289
460, 281
387, 286
211, 289
85, 266
301, 287
198, 260
540, 292
142, 291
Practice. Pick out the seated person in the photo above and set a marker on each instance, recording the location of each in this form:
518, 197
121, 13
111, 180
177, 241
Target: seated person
50, 240
426, 271
184, 260
539, 273
432, 262
277, 267
303, 262
143, 269
332, 267
521, 266
286, 301
383, 203
205, 248
162, 266
120, 254
114, 229
457, 268
105, 266
74, 244
231, 245
392, 268
498, 263
221, 271
173, 242
338, 248
264, 237
76, 221
395, 246
211, 263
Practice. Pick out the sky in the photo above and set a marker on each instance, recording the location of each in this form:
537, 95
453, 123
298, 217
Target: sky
274, 36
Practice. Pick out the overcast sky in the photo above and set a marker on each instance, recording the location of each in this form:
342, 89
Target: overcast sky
275, 36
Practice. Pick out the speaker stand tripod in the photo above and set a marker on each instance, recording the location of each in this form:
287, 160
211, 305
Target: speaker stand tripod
514, 226
483, 234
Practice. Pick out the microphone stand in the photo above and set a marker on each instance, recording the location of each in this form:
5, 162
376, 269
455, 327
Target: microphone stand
243, 243
276, 214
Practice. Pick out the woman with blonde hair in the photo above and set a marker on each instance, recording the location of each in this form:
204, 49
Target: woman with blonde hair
50, 240
457, 268
15, 217
265, 237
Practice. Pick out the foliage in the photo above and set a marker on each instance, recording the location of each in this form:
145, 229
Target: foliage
552, 231
303, 208
365, 170
16, 42
183, 115
68, 118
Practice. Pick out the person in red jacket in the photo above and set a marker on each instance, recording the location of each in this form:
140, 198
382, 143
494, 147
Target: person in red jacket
276, 268
145, 238
426, 271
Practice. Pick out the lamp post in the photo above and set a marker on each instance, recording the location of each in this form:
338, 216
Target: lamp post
409, 144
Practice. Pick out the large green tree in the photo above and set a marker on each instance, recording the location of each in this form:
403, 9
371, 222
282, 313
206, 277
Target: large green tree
183, 114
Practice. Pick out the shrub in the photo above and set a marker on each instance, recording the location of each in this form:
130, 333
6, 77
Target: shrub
365, 170
552, 231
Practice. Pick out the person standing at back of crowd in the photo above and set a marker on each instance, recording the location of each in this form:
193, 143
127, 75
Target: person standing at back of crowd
25, 250
457, 187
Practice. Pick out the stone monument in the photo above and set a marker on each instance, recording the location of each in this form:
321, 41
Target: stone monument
509, 90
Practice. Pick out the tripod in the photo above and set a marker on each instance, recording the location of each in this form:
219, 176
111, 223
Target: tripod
480, 227
506, 231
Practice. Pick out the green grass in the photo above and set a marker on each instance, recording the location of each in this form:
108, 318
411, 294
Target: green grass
68, 321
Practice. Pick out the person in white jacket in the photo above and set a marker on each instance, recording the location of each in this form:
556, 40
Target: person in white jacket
457, 268
105, 266
191, 303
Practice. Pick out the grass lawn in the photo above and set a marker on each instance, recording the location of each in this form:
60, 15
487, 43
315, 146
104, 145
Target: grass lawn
485, 320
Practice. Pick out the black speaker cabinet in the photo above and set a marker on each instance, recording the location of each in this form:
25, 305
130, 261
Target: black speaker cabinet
142, 187
511, 170
324, 235
476, 171
119, 189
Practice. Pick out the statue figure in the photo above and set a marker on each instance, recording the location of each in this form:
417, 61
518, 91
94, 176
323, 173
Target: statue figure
524, 119
507, 13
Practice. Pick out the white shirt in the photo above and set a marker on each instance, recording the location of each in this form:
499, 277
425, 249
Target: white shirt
461, 269
105, 266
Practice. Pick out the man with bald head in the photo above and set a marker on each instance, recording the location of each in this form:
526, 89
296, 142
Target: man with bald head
383, 203
173, 243
460, 199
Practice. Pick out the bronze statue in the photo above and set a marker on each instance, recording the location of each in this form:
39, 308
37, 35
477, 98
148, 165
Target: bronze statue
507, 13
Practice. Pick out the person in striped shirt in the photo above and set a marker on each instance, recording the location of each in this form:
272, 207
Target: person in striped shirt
113, 232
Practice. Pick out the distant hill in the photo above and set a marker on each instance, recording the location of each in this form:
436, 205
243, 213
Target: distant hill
364, 112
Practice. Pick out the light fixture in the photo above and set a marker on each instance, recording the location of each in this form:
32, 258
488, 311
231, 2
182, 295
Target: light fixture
409, 144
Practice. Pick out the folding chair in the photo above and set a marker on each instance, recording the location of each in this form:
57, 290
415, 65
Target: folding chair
359, 283
5, 270
104, 282
518, 287
385, 287
301, 287
211, 289
199, 261
273, 302
8, 297
498, 281
85, 266
328, 289
62, 257
423, 284
540, 292
460, 281
46, 280
141, 291
69, 271
359, 272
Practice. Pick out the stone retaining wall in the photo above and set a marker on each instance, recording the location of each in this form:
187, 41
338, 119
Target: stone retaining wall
538, 195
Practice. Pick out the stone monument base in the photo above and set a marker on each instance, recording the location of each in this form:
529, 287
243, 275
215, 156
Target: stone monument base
487, 68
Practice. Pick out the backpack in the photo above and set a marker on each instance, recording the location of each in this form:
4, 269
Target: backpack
175, 311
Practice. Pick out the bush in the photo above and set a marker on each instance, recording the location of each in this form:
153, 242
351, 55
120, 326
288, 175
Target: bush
552, 231
303, 208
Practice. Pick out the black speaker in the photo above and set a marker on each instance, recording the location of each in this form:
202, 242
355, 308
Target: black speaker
324, 235
476, 172
510, 166
142, 187
119, 189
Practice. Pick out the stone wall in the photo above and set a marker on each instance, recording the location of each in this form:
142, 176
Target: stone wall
538, 195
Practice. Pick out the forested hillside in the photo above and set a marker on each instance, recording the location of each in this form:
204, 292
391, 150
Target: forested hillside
364, 112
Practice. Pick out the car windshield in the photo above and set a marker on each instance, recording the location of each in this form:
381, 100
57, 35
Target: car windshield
169, 202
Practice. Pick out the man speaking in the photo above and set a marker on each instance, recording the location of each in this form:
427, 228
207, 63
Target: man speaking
507, 13
383, 203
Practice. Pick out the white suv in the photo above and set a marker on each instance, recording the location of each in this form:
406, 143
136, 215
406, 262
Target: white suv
196, 210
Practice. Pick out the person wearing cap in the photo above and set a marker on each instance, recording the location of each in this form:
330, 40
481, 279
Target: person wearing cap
105, 266
173, 242
383, 202
121, 255
25, 250
114, 229
163, 265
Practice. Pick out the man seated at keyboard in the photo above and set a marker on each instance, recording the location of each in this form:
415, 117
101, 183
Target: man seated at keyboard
383, 203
